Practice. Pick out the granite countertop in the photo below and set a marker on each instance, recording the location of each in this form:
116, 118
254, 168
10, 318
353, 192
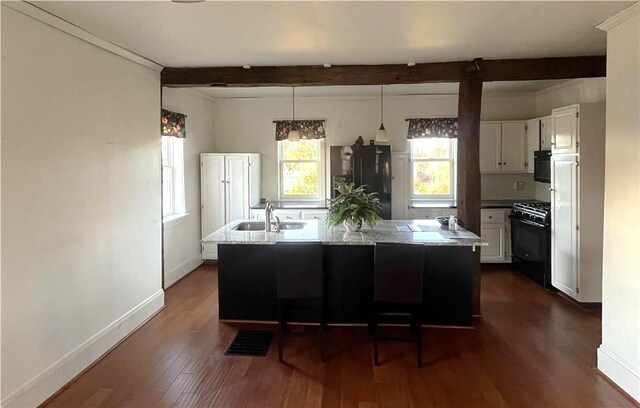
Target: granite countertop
293, 205
431, 233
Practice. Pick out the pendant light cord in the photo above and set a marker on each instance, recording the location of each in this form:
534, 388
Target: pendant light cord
381, 106
293, 98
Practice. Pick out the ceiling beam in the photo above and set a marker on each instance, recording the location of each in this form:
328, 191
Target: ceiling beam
456, 71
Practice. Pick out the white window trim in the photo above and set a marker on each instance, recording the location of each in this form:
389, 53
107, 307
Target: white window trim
177, 170
436, 198
321, 175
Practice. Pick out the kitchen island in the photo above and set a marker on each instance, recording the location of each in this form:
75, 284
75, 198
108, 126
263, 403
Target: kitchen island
247, 275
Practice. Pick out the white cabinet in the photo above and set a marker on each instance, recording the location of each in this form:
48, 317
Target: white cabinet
564, 223
533, 142
287, 214
229, 185
495, 229
577, 200
320, 215
503, 147
494, 234
565, 130
546, 133
490, 147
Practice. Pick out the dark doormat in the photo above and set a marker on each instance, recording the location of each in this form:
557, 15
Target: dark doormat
250, 343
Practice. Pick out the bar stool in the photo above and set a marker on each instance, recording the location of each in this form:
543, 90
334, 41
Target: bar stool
398, 292
299, 276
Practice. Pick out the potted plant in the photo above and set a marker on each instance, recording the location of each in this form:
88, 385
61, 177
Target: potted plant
352, 206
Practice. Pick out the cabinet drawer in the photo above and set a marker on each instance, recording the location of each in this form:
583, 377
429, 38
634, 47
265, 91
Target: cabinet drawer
492, 216
320, 215
288, 214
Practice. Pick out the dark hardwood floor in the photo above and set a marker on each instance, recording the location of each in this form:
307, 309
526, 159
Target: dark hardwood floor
531, 348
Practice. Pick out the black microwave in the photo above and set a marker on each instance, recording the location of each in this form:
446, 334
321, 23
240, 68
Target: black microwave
542, 166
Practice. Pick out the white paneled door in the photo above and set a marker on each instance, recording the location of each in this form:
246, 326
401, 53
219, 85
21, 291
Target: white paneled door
564, 224
490, 145
565, 130
237, 187
213, 202
514, 147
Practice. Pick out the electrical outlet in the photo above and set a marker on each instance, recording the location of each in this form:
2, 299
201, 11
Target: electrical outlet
518, 185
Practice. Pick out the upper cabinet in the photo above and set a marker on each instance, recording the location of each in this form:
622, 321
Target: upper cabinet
533, 142
546, 133
565, 130
503, 147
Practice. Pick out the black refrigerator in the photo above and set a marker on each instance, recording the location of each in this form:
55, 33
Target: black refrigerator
368, 165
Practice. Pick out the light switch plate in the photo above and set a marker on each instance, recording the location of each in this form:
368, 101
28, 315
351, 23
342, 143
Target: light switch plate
518, 185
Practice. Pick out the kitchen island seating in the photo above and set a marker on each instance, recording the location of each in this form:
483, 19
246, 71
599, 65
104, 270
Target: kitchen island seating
300, 280
398, 292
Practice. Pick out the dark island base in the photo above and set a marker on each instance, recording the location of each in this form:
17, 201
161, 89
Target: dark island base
247, 284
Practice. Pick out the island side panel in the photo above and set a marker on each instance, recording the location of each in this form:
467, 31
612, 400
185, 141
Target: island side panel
247, 282
349, 280
448, 287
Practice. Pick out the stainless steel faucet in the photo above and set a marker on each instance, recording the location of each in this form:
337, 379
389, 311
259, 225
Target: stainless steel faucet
268, 210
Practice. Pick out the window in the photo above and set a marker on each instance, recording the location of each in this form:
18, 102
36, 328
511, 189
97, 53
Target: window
433, 170
172, 177
301, 169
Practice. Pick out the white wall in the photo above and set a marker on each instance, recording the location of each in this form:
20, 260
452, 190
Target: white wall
245, 125
182, 250
619, 354
586, 90
81, 230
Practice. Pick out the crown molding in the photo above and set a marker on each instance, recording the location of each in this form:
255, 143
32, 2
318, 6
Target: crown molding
620, 18
54, 21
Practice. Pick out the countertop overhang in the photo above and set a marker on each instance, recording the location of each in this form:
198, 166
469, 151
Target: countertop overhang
385, 231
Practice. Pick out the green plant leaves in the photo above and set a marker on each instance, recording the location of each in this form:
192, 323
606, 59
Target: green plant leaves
353, 203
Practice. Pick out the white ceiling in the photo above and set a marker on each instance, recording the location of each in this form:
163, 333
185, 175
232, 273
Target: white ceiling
374, 91
296, 33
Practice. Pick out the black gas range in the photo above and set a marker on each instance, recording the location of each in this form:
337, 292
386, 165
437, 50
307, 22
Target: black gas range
531, 240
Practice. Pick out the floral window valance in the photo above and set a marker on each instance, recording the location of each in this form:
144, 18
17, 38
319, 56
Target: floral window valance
432, 127
309, 129
173, 124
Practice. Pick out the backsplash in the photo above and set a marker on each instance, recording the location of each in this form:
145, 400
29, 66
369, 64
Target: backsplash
502, 186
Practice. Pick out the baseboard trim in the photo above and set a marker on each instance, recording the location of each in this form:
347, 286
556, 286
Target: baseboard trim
181, 271
55, 377
625, 377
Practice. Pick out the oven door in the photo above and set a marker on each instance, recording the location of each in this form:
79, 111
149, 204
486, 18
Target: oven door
529, 240
542, 166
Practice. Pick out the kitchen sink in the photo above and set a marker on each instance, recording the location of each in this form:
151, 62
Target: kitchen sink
259, 226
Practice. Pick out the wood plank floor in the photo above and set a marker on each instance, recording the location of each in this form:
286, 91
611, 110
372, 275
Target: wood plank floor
530, 349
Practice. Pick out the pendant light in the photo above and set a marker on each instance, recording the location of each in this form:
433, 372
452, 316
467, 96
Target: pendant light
293, 135
381, 134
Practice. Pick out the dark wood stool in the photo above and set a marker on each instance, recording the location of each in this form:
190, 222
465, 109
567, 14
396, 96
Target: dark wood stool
299, 276
398, 292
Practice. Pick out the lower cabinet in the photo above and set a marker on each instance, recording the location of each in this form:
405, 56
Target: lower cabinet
495, 235
496, 230
321, 214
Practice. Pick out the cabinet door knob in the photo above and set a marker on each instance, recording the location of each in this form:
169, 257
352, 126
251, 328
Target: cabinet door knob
551, 189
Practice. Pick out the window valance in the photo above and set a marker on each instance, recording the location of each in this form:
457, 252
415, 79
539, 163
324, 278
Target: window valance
432, 127
309, 129
173, 124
